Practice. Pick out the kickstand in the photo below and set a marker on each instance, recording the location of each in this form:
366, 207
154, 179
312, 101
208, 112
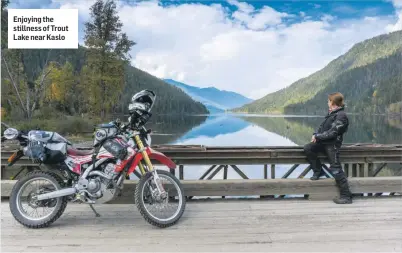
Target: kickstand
93, 209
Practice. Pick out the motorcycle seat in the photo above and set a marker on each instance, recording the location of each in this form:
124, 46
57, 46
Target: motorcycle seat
78, 152
106, 125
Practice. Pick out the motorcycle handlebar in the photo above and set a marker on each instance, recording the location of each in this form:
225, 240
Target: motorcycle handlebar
5, 125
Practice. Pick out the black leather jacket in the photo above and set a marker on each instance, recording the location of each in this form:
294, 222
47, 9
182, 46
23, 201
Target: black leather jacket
331, 130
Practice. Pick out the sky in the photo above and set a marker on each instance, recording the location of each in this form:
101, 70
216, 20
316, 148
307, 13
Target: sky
250, 47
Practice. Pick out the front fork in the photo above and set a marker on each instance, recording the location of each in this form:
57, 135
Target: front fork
150, 167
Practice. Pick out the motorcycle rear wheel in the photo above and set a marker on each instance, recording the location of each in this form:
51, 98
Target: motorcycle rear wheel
16, 207
140, 196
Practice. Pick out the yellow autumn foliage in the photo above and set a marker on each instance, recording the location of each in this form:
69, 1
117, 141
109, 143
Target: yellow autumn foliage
62, 80
2, 112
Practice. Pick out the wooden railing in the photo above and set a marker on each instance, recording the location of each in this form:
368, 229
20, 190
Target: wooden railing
358, 161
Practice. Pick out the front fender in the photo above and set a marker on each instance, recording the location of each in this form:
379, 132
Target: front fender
153, 155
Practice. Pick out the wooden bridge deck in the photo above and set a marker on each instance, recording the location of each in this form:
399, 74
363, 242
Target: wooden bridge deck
367, 225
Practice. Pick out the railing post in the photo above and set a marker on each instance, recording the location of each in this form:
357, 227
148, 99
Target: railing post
366, 170
225, 175
181, 172
357, 170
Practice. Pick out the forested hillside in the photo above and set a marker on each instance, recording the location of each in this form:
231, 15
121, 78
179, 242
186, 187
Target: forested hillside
369, 75
89, 82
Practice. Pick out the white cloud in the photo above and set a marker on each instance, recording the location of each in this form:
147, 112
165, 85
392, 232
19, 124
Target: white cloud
260, 19
327, 18
243, 7
251, 51
82, 6
397, 3
398, 9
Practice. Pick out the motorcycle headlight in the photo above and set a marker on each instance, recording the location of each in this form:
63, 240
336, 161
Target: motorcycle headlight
11, 133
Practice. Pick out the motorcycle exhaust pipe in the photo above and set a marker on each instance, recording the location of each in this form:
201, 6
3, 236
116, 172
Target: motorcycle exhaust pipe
56, 194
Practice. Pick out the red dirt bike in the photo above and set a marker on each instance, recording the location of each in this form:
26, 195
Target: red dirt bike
95, 176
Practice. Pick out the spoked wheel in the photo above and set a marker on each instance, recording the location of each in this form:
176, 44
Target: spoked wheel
33, 213
160, 211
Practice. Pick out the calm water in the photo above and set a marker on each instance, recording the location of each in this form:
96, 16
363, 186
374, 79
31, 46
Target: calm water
252, 130
262, 130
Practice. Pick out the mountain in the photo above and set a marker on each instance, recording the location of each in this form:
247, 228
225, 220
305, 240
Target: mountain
169, 99
66, 90
362, 129
369, 75
215, 100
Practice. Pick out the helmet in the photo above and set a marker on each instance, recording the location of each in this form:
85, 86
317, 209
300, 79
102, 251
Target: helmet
142, 101
140, 107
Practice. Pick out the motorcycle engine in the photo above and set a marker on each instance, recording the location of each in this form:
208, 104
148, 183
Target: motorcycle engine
103, 188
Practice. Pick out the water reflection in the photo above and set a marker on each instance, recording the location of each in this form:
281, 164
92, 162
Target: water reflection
212, 127
234, 131
262, 130
252, 130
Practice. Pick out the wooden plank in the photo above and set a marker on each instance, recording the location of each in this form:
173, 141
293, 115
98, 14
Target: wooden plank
250, 187
232, 159
270, 151
225, 226
171, 149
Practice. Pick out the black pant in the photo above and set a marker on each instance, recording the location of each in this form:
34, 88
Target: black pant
330, 150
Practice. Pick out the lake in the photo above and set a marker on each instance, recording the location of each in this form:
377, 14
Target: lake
277, 130
264, 130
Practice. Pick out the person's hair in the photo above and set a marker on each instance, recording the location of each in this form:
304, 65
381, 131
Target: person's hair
336, 98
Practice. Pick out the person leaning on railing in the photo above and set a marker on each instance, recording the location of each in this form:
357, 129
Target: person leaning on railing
328, 139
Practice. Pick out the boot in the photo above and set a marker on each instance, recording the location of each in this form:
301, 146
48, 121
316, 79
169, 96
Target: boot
317, 174
343, 186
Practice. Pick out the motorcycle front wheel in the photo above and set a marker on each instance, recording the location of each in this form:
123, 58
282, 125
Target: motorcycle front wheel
37, 214
147, 202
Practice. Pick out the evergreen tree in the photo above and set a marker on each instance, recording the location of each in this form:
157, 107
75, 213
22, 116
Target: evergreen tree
107, 56
4, 27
